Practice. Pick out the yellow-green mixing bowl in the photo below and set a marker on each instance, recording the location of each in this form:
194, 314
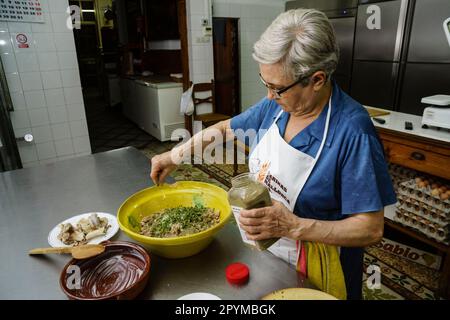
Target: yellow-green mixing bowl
156, 199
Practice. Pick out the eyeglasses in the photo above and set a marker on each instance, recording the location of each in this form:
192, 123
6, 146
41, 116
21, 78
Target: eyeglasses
277, 92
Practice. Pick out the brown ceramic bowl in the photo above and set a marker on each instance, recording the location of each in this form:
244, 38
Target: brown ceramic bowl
119, 273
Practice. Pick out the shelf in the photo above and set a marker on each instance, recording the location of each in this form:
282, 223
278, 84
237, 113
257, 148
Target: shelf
414, 234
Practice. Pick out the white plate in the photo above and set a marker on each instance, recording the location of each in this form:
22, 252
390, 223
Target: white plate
199, 296
112, 230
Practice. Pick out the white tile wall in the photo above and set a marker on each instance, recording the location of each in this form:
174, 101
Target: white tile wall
35, 99
45, 87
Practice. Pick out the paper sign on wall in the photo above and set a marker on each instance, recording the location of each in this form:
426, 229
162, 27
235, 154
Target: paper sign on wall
21, 10
22, 41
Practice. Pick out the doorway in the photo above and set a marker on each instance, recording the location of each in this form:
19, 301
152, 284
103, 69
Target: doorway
226, 65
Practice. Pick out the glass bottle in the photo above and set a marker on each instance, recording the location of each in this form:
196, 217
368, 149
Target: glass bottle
248, 193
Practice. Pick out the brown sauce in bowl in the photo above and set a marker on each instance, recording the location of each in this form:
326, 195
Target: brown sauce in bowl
117, 273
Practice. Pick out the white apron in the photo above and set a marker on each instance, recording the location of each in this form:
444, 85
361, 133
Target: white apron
284, 170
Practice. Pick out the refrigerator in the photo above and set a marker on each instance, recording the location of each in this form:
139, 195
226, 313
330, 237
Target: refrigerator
342, 15
378, 52
9, 153
427, 67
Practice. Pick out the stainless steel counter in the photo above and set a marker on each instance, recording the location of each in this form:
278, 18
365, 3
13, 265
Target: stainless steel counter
34, 200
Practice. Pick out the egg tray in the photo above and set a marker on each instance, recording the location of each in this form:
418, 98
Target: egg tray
423, 226
400, 174
422, 209
411, 190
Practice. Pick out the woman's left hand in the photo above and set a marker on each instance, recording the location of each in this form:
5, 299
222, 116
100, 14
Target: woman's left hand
269, 222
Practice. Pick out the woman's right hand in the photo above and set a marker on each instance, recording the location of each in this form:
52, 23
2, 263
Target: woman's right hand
162, 166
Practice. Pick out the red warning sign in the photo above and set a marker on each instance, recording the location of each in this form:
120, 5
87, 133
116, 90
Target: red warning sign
22, 41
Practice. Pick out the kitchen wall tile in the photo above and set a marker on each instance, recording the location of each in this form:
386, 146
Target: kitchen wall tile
76, 112
30, 164
35, 99
61, 131
51, 79
18, 100
78, 128
67, 60
46, 150
54, 97
40, 103
20, 119
4, 26
31, 80
27, 62
196, 7
64, 42
64, 147
221, 9
14, 83
9, 62
27, 152
70, 78
39, 117
57, 5
43, 42
59, 22
73, 95
5, 43
42, 134
57, 114
15, 27
43, 27
48, 61
235, 10
22, 132
81, 144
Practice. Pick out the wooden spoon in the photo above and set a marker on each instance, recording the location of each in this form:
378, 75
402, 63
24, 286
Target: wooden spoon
79, 252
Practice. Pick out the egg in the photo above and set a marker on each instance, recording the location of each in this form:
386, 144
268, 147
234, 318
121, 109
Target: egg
435, 192
421, 184
444, 196
418, 180
434, 186
443, 189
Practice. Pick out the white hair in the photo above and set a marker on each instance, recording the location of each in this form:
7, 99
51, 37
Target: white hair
303, 40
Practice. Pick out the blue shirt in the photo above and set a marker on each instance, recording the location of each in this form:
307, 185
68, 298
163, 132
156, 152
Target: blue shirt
351, 175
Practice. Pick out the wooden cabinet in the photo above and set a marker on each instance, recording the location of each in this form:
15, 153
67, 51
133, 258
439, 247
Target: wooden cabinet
420, 154
428, 156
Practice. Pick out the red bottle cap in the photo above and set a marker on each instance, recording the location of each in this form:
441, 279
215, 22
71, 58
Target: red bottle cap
237, 273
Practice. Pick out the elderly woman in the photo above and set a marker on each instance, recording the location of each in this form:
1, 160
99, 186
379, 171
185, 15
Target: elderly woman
318, 143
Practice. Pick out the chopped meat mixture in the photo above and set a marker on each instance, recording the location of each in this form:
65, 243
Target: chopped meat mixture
179, 221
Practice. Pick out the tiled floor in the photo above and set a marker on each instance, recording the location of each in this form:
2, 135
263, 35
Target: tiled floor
110, 129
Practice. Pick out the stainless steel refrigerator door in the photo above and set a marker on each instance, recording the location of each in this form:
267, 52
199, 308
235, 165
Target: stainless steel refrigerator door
428, 41
422, 80
382, 44
322, 5
345, 33
373, 83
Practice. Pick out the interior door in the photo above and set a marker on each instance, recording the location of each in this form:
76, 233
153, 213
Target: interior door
226, 65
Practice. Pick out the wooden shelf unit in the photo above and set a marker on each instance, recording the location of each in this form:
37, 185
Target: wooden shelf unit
430, 157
